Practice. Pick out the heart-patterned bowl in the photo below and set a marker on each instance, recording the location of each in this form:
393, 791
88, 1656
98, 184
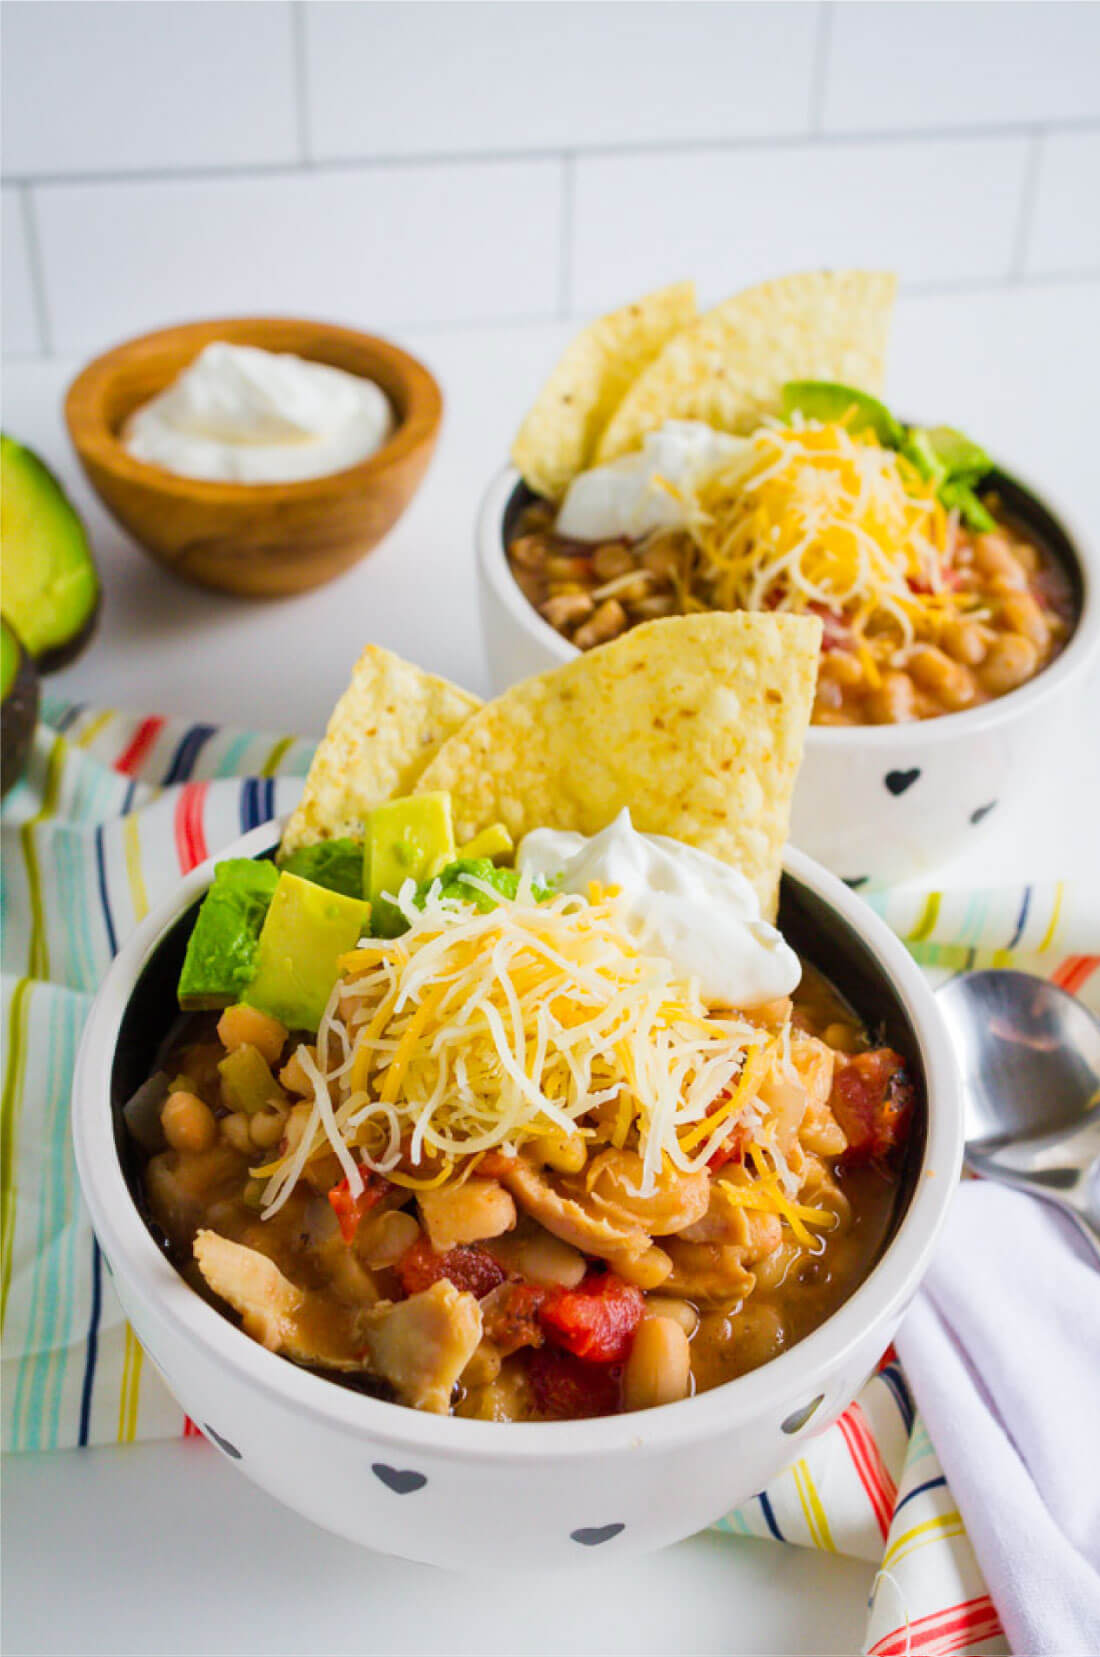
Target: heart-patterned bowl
458, 1492
874, 803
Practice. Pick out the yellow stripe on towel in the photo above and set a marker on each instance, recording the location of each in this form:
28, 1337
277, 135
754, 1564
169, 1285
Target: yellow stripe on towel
813, 1511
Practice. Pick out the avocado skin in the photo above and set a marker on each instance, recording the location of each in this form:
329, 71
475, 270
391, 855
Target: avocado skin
19, 715
43, 537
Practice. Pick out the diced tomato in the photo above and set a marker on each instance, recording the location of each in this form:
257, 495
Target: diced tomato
872, 1099
836, 634
949, 582
733, 1147
350, 1210
494, 1165
467, 1267
510, 1316
596, 1320
566, 1389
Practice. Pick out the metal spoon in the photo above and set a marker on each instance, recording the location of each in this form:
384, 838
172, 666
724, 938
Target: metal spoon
1030, 1058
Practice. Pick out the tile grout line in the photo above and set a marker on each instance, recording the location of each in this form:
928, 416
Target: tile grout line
1029, 197
1003, 131
37, 268
965, 287
302, 107
823, 40
565, 239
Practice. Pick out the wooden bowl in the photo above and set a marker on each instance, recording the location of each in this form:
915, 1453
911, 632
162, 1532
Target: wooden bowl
265, 539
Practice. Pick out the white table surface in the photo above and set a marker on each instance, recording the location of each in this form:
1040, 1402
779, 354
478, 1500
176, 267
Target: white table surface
165, 1549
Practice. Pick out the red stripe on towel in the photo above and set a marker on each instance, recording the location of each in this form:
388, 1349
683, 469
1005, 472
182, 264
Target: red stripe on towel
1075, 971
943, 1632
190, 833
139, 745
873, 1472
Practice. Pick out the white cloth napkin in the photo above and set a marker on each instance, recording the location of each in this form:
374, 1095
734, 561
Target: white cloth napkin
1002, 1349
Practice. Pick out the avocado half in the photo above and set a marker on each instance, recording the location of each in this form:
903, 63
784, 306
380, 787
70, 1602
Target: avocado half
19, 712
50, 584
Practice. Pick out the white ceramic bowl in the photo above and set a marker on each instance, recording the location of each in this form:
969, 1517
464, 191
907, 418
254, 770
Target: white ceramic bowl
874, 803
472, 1494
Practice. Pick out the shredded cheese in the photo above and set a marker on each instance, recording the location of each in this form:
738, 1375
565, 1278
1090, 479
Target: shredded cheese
476, 1031
483, 1031
813, 516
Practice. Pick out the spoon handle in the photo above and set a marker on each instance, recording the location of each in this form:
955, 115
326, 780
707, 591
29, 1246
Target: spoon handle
1076, 1198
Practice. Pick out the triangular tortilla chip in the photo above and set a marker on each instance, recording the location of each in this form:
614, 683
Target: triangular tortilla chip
695, 722
557, 438
385, 728
729, 367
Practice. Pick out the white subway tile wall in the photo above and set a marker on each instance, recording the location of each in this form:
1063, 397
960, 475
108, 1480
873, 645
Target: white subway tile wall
117, 87
961, 65
364, 246
420, 164
441, 78
735, 216
20, 333
1066, 230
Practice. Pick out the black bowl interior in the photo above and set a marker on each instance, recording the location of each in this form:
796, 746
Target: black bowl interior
809, 925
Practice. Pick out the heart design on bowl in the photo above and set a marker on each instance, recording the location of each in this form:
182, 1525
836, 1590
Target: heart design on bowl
222, 1443
401, 1480
898, 781
591, 1536
798, 1418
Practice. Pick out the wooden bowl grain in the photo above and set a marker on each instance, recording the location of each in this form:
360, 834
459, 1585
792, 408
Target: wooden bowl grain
259, 540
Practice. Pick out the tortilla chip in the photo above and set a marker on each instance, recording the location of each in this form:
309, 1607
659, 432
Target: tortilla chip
695, 722
728, 369
385, 728
557, 438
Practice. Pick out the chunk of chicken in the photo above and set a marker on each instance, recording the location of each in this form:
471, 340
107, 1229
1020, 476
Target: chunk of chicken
571, 1219
789, 1092
815, 1063
274, 1311
676, 1202
422, 1345
181, 1189
469, 1213
725, 1221
711, 1274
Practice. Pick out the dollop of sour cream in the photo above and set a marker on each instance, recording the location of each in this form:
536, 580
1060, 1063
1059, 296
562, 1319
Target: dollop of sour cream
701, 915
241, 415
647, 490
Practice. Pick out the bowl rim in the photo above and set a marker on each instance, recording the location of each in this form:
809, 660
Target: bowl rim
1082, 648
777, 1386
98, 445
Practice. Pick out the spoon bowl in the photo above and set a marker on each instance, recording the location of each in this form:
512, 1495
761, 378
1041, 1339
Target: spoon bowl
1030, 1060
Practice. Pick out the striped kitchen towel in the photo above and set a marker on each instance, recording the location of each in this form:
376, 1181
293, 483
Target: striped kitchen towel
112, 810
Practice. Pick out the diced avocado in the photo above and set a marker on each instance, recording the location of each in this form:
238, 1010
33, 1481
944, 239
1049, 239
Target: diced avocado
455, 882
306, 931
492, 842
409, 839
959, 455
247, 1082
917, 448
221, 952
828, 400
335, 864
50, 585
20, 706
957, 493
